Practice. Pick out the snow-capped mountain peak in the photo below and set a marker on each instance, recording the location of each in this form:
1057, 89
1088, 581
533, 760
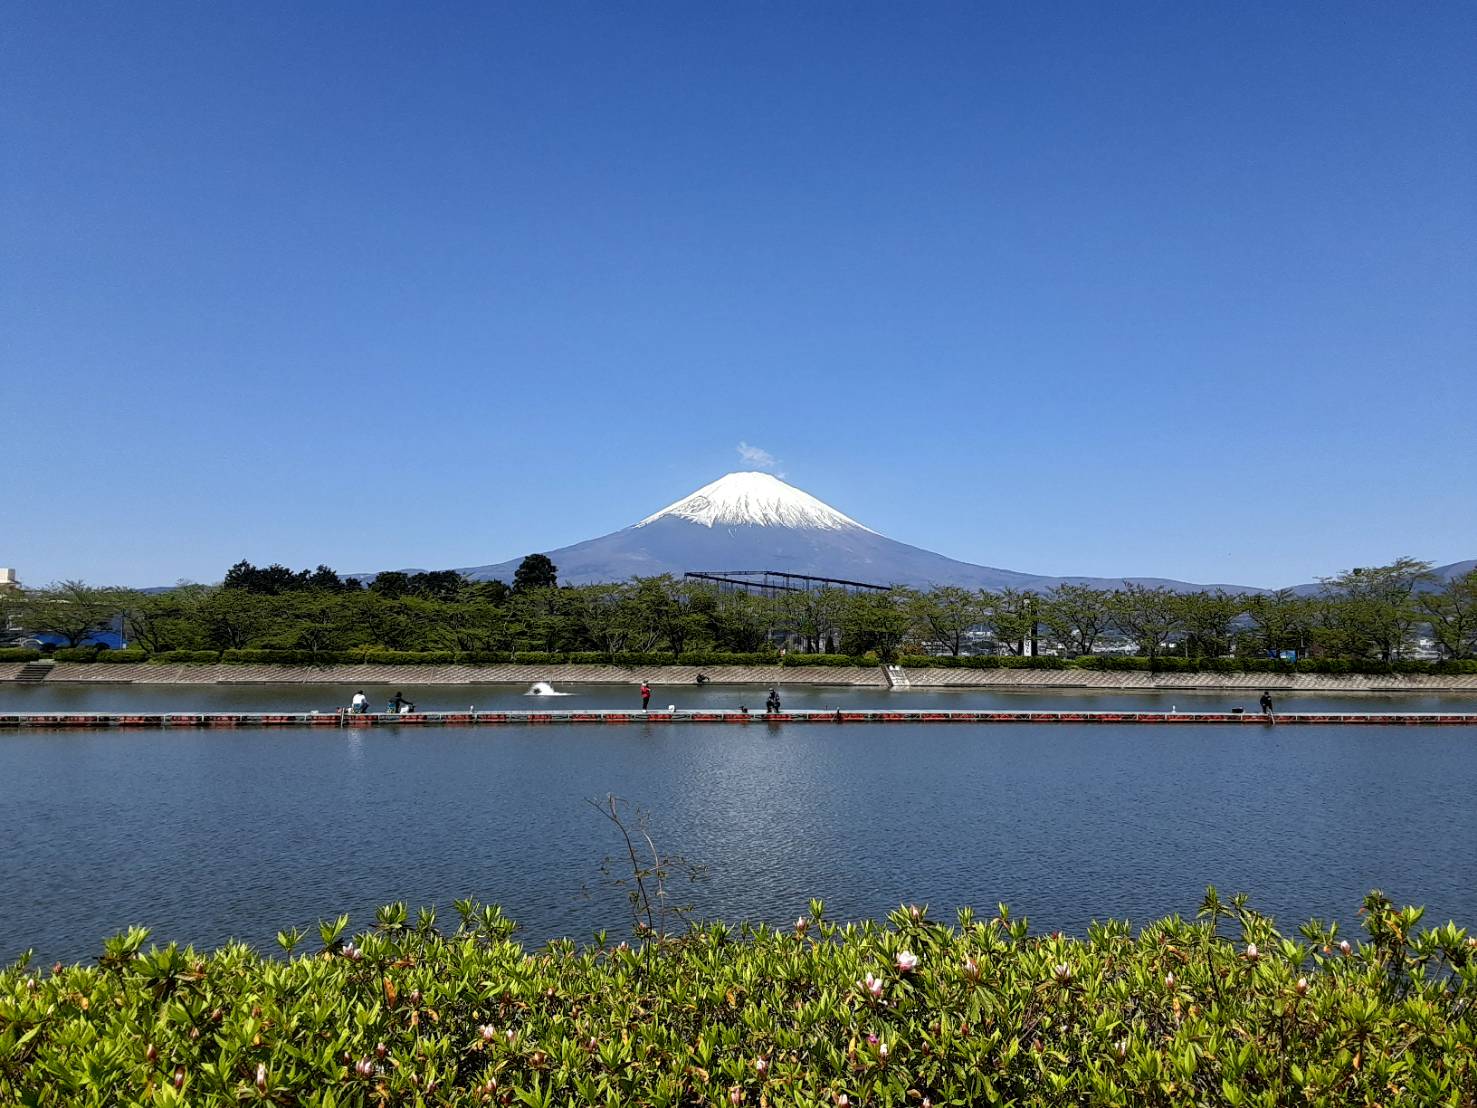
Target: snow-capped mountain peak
755, 500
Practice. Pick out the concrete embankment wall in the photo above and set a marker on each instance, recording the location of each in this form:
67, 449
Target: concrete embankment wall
859, 677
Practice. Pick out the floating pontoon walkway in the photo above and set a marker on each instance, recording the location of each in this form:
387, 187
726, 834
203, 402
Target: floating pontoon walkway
196, 720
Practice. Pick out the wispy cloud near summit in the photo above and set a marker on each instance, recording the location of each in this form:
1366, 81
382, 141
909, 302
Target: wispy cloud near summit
759, 458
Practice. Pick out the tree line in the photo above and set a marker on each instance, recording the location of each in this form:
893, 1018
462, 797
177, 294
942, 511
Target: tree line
1374, 613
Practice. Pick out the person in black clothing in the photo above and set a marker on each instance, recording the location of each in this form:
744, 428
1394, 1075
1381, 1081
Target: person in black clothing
772, 705
702, 678
1266, 703
399, 702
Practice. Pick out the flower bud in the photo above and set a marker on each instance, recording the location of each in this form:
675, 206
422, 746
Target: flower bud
906, 961
1344, 948
735, 1095
761, 1066
261, 1076
1251, 952
380, 1050
1302, 986
152, 1054
179, 1077
1169, 980
488, 1032
1063, 972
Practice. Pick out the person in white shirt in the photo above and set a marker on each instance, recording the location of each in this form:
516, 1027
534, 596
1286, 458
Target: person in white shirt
360, 703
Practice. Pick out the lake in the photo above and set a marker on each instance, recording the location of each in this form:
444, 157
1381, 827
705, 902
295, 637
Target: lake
87, 697
207, 835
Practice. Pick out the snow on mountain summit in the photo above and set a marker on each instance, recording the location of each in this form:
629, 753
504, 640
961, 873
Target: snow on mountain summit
755, 500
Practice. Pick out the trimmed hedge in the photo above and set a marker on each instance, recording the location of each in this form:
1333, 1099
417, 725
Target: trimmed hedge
100, 654
19, 654
1226, 1010
982, 661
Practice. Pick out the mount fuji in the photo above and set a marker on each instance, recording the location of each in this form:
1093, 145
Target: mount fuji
756, 521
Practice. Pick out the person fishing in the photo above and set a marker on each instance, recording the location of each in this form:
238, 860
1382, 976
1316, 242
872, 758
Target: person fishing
645, 695
360, 704
1266, 703
702, 678
399, 706
772, 705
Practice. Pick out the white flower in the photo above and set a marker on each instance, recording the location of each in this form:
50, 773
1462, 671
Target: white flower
873, 985
1251, 951
1344, 948
1169, 980
906, 960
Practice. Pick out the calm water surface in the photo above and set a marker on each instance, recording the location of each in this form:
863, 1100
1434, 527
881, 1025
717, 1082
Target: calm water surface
210, 835
49, 697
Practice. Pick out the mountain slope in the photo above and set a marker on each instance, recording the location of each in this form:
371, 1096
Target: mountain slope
757, 521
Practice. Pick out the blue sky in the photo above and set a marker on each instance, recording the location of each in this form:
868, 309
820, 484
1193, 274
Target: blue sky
1170, 289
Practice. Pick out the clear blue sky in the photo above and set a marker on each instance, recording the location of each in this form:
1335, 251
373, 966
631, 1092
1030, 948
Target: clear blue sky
1175, 289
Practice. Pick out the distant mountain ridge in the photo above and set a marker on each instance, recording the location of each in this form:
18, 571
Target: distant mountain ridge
756, 521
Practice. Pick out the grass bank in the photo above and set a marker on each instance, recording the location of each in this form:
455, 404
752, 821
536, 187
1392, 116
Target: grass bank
1222, 1010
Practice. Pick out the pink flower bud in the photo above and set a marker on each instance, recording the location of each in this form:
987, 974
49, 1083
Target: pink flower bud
906, 961
761, 1066
971, 969
843, 1101
802, 925
152, 1054
1169, 980
380, 1050
1251, 951
1062, 972
179, 1077
1122, 1045
872, 985
1344, 948
261, 1075
488, 1032
914, 913
735, 1095
1302, 986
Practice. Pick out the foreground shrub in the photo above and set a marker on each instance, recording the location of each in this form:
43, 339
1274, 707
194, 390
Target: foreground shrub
1222, 1011
18, 654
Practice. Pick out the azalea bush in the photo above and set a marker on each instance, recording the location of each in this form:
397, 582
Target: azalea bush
1224, 1009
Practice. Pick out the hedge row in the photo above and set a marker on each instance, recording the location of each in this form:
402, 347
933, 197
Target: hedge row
903, 1014
981, 661
18, 654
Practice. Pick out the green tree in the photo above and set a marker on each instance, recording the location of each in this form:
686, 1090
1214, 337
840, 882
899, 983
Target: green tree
946, 615
1148, 615
875, 622
72, 609
1375, 604
1077, 616
392, 584
742, 622
1279, 621
1206, 618
1012, 616
536, 571
168, 620
812, 614
1451, 614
